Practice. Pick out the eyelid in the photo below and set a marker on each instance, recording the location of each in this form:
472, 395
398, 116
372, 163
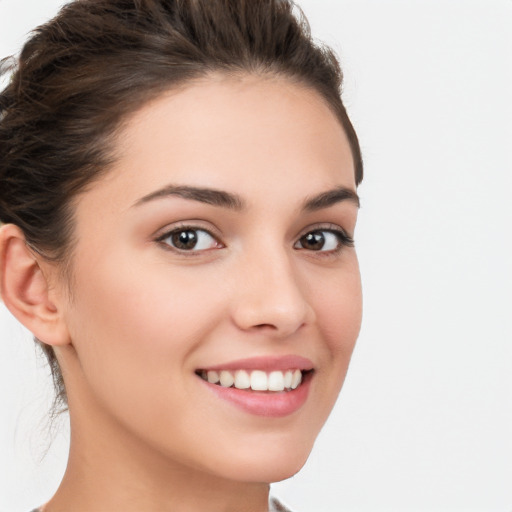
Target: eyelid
186, 224
333, 228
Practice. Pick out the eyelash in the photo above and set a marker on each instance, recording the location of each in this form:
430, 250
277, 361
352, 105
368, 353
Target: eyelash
343, 240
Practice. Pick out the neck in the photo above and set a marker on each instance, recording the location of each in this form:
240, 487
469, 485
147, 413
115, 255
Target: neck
111, 469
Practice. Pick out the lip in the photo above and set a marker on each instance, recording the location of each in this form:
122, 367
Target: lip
265, 403
265, 363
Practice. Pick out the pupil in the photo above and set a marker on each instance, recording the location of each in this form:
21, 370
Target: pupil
185, 239
314, 241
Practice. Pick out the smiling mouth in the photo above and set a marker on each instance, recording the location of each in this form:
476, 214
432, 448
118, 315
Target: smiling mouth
256, 380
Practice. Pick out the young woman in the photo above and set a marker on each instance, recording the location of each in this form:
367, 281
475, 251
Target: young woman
178, 197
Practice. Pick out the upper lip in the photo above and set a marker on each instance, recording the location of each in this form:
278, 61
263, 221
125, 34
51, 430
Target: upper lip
266, 363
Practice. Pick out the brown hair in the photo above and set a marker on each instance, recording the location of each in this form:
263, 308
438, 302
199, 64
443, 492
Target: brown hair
81, 74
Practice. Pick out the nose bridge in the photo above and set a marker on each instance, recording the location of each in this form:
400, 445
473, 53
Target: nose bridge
271, 294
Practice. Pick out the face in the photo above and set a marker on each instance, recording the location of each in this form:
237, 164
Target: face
219, 247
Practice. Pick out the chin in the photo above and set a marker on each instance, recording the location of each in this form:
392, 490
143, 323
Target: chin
272, 464
286, 471
268, 474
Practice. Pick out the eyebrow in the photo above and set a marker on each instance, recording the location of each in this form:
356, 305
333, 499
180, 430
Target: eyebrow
330, 198
203, 195
232, 201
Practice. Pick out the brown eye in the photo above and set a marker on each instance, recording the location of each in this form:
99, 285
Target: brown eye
190, 239
184, 240
324, 240
313, 241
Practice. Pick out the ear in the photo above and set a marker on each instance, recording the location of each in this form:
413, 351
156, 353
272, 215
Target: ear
25, 290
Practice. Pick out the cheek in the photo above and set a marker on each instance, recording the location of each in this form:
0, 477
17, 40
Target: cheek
337, 301
133, 299
134, 323
339, 311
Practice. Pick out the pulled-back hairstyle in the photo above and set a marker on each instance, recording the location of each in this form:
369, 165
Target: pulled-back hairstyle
80, 75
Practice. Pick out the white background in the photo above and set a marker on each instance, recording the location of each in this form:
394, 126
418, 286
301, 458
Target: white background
424, 422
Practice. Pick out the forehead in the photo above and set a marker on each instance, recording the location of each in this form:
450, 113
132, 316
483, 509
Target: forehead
246, 133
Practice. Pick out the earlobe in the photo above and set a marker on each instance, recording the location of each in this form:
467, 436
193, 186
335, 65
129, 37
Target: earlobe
25, 290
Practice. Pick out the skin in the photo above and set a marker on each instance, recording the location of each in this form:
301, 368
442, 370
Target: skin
143, 318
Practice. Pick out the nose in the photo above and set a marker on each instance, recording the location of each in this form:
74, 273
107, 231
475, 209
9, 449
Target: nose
271, 297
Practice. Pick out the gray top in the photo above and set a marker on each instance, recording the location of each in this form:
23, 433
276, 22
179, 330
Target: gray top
274, 505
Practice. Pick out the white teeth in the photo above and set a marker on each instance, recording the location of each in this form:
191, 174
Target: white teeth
242, 380
213, 377
276, 381
297, 379
226, 379
259, 381
288, 377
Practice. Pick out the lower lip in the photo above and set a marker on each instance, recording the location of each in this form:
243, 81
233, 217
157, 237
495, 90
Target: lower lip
261, 403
